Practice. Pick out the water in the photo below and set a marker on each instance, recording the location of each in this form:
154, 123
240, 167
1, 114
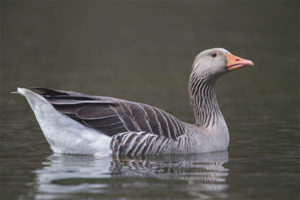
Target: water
143, 52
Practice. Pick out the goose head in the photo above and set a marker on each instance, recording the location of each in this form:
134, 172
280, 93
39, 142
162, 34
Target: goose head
212, 63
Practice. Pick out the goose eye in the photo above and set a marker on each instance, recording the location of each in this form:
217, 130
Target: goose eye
214, 54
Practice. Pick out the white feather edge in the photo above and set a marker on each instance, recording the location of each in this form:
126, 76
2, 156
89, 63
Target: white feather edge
64, 134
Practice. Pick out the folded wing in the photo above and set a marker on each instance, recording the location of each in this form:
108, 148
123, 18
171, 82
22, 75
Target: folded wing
112, 116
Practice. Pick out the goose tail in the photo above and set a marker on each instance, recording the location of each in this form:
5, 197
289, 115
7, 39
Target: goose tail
33, 98
64, 134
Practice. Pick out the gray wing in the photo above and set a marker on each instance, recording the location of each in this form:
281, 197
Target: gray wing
112, 116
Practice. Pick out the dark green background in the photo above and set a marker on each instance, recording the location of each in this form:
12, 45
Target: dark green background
143, 51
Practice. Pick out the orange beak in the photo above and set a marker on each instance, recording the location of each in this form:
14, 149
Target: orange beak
234, 62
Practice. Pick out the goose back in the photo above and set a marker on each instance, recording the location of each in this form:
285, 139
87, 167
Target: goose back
112, 116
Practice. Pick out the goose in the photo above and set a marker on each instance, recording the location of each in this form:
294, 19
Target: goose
76, 123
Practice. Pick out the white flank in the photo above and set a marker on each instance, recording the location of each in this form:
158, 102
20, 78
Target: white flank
64, 134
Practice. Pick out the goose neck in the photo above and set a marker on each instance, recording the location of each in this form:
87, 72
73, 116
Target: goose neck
204, 102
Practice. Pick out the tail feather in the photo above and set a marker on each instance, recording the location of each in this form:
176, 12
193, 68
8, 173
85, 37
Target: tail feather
64, 134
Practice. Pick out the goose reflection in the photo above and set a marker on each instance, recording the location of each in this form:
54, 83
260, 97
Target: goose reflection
194, 176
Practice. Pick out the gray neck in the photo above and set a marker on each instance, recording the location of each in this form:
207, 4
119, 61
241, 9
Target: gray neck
204, 102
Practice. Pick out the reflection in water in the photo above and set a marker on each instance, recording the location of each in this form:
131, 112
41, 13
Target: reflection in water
201, 176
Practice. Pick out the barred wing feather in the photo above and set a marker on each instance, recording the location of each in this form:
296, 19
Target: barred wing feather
112, 116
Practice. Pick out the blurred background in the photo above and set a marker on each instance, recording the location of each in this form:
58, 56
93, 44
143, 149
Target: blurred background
143, 51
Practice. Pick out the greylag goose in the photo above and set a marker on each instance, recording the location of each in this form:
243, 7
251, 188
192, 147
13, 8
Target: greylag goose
76, 123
